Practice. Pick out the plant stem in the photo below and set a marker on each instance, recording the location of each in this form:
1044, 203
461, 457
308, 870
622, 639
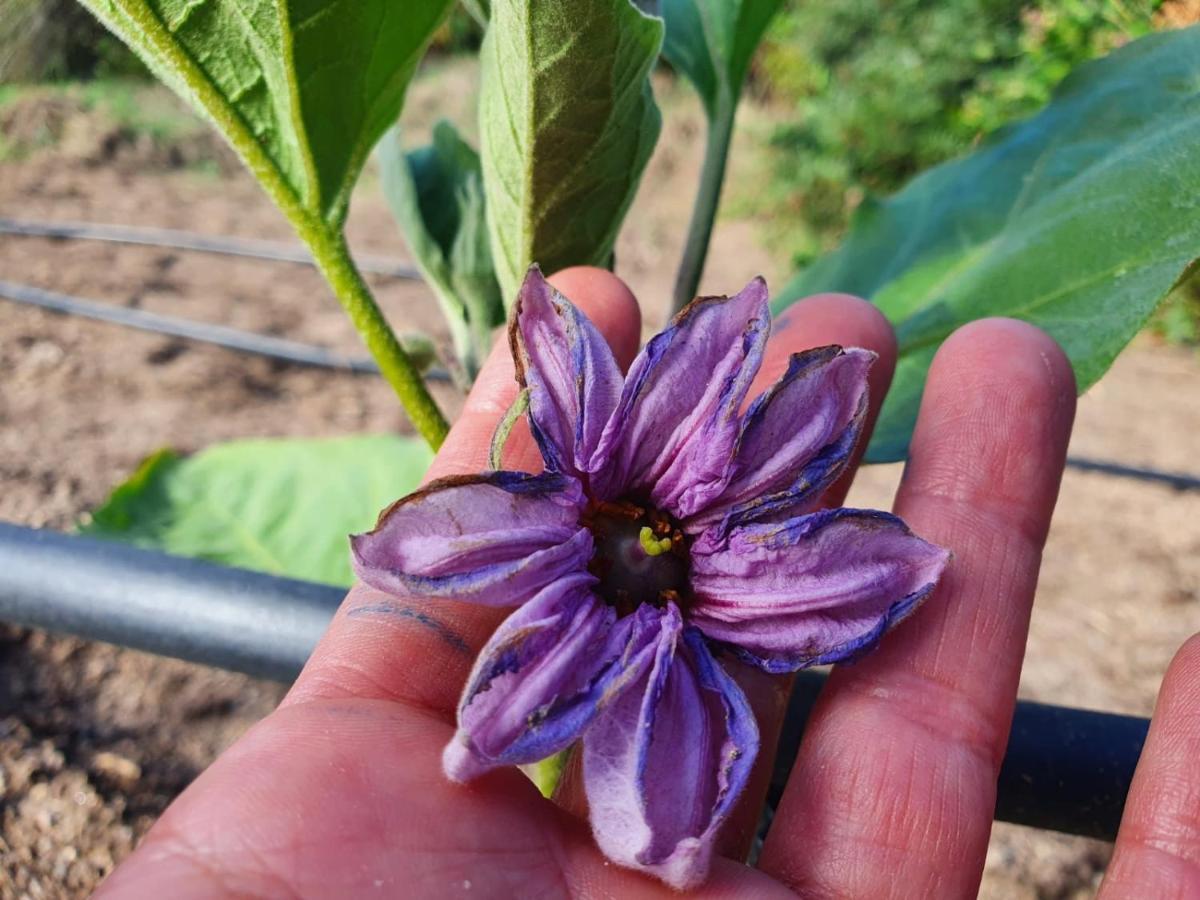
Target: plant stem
329, 250
704, 213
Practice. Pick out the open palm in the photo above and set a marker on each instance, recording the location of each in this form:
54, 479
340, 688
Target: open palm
340, 793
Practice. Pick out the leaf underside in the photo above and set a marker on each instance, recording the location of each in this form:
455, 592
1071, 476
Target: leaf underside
1079, 220
567, 124
436, 195
302, 89
282, 506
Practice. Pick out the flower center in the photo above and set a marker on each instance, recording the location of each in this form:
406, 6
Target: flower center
641, 555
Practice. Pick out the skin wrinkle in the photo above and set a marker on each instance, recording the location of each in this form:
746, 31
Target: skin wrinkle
404, 611
945, 711
887, 821
379, 651
197, 868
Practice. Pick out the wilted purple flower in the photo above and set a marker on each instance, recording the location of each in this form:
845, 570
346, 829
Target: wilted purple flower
667, 530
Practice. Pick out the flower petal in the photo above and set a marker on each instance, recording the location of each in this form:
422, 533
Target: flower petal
495, 539
816, 589
573, 379
674, 430
664, 765
796, 438
548, 670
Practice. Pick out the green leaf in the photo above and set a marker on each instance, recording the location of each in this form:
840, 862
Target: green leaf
567, 122
1079, 220
283, 506
436, 195
711, 42
302, 89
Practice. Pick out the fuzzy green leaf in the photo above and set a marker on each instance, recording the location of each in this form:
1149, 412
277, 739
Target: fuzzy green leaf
436, 195
1079, 220
567, 122
302, 89
712, 42
283, 506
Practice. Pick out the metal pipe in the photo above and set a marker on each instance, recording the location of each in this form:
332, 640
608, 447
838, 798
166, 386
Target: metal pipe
186, 608
174, 239
1065, 769
218, 335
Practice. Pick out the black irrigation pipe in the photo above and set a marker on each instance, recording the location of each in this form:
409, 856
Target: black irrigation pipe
312, 355
190, 609
173, 239
175, 326
1065, 769
1177, 480
301, 353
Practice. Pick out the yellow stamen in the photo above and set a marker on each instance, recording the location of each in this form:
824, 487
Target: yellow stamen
652, 545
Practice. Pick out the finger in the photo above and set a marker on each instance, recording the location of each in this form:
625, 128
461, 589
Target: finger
1158, 846
381, 648
893, 790
814, 322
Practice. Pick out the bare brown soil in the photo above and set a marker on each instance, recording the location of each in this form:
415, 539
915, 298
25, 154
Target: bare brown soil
95, 741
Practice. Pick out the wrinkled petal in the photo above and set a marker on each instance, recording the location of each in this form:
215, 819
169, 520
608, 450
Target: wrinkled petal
495, 539
548, 670
796, 438
816, 589
673, 432
664, 765
574, 382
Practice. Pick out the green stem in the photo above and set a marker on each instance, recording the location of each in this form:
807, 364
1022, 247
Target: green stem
329, 250
704, 213
504, 429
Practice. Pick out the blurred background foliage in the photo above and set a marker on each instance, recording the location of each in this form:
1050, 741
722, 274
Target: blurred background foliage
870, 92
56, 40
866, 93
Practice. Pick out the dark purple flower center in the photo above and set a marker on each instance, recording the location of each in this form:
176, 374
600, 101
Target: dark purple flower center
641, 555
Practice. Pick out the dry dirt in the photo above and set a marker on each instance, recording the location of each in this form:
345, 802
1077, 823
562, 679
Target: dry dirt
94, 741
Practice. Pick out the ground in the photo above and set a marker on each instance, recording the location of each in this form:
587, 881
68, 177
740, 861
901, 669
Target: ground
95, 741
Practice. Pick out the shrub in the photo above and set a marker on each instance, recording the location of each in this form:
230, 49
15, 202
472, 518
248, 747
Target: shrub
878, 90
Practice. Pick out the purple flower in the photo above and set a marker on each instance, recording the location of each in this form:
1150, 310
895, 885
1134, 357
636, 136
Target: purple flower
669, 529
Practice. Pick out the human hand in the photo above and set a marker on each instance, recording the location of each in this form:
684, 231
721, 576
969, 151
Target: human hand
340, 791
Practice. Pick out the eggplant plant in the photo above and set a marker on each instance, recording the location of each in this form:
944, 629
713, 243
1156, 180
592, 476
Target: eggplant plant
1079, 220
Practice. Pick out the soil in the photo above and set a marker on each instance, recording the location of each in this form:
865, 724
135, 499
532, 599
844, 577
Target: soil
96, 741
